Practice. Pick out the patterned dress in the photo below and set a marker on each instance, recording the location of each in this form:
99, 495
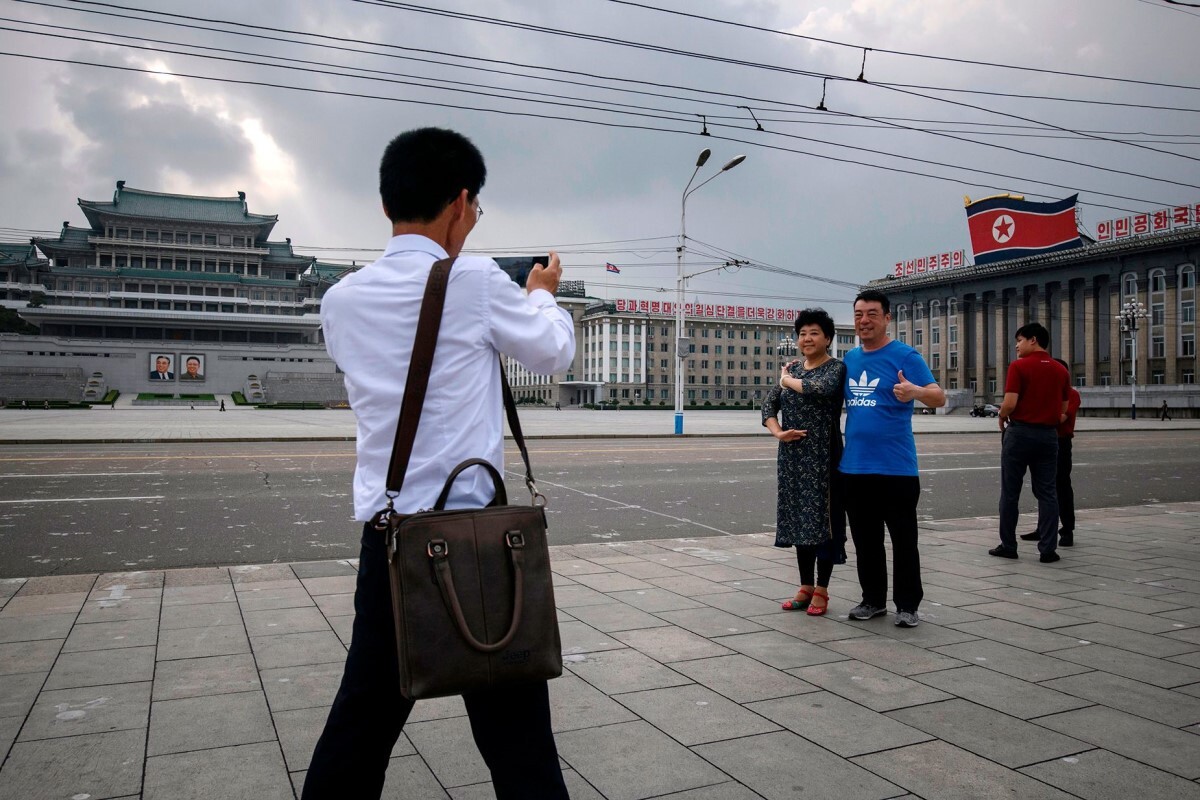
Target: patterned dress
808, 511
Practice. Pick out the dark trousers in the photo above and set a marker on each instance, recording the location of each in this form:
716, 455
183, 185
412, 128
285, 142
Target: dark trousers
1063, 487
1035, 449
873, 501
511, 726
806, 559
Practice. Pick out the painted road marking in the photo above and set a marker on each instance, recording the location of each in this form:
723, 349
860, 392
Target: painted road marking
80, 499
80, 474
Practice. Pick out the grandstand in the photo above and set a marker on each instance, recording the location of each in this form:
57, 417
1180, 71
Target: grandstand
36, 385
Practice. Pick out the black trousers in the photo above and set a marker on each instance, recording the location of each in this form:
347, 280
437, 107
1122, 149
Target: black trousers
1063, 487
511, 726
873, 501
1036, 449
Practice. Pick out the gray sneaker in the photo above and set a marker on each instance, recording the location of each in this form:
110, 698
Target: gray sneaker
907, 619
865, 611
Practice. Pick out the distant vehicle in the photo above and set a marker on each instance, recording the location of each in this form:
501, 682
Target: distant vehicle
926, 410
986, 410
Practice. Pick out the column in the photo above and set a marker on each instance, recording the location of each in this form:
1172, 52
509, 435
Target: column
1143, 333
1171, 328
1000, 345
1065, 324
980, 345
1090, 371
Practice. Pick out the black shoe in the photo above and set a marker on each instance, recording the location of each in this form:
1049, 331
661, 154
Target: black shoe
1049, 558
1066, 538
1003, 552
1032, 536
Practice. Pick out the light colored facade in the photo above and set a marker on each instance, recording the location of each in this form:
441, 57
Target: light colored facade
964, 320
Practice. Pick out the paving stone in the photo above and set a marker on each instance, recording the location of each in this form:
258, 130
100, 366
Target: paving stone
940, 771
571, 596
201, 723
91, 709
710, 622
1018, 635
225, 773
409, 776
292, 649
1145, 605
742, 679
779, 650
837, 724
1035, 617
811, 629
441, 708
694, 715
140, 579
335, 605
449, 749
269, 599
1123, 618
116, 610
343, 626
769, 588
196, 576
574, 704
643, 570
1101, 775
654, 600
690, 585
633, 760
324, 569
928, 635
199, 615
947, 615
197, 677
8, 732
1133, 737
56, 584
38, 604
1026, 597
36, 656
741, 604
719, 573
895, 656
299, 730
95, 765
870, 686
610, 582
29, 629
625, 670
1154, 671
194, 595
1148, 644
1011, 660
580, 638
18, 692
988, 733
579, 566
102, 667
784, 766
996, 690
217, 640
671, 644
302, 686
284, 620
610, 617
259, 573
107, 635
730, 790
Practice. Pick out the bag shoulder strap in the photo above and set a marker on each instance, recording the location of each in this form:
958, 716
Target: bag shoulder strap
419, 369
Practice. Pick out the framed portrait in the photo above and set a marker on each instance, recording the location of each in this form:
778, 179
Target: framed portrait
162, 366
191, 366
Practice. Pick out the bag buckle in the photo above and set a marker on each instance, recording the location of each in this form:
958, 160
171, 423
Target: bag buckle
437, 548
536, 498
515, 539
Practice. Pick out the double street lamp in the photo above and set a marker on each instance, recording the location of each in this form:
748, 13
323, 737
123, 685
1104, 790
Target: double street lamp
681, 341
1131, 314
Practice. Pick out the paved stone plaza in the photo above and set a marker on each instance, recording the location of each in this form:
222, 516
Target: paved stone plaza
683, 678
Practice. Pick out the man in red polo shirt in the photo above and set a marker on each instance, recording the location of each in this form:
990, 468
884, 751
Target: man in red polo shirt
1062, 476
1036, 394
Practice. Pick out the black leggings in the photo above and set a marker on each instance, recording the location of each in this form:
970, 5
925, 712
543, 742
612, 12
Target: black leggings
806, 556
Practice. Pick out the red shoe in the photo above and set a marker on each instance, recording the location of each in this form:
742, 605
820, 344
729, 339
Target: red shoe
800, 601
815, 609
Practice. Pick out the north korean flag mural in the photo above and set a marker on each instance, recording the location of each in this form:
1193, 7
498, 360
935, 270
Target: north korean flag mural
1006, 227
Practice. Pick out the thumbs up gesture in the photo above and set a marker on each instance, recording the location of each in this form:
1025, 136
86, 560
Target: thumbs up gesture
904, 390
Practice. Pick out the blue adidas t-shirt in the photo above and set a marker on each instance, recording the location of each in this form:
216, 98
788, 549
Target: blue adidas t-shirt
879, 438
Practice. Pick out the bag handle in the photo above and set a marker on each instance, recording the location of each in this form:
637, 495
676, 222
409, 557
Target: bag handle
419, 368
439, 551
497, 481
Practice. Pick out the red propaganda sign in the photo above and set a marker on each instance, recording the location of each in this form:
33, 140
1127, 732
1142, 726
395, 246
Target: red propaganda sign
1159, 220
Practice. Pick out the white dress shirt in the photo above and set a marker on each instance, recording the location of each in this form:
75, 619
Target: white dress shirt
370, 321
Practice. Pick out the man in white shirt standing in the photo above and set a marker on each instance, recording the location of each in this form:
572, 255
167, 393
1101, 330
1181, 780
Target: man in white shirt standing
429, 182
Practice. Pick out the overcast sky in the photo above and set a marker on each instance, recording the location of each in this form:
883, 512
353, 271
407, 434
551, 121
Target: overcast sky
596, 172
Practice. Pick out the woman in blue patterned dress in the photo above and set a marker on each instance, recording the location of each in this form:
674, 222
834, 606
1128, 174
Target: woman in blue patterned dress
809, 515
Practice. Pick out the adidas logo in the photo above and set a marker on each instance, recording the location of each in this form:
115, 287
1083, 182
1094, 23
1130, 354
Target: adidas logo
863, 387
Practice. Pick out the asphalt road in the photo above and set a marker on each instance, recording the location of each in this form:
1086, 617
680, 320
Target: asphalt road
95, 508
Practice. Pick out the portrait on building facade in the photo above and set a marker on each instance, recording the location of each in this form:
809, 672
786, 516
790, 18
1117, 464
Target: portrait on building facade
193, 367
162, 366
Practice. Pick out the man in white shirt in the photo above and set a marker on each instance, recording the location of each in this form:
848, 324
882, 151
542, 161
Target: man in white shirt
429, 183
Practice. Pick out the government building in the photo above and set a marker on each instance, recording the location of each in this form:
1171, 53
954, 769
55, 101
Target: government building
963, 319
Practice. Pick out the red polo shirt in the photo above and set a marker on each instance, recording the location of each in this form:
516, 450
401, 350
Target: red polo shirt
1042, 385
1066, 430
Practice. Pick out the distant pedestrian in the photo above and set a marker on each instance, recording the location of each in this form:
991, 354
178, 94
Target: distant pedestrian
1163, 416
1036, 400
879, 465
46, 404
222, 405
557, 407
1062, 474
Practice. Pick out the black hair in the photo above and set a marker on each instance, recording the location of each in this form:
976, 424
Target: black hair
816, 316
423, 170
1035, 331
192, 358
1065, 365
875, 296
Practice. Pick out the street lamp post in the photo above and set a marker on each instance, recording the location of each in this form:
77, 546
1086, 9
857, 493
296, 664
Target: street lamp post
1131, 314
681, 341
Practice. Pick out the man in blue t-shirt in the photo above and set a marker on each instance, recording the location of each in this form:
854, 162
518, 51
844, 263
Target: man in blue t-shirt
879, 463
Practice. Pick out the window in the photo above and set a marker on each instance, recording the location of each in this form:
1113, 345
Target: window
1188, 376
1158, 378
1187, 277
1158, 347
937, 359
1158, 281
1106, 379
953, 359
935, 335
902, 314
1129, 285
1187, 311
919, 337
1187, 345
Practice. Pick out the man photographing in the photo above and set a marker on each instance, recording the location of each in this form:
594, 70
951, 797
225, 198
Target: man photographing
429, 182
